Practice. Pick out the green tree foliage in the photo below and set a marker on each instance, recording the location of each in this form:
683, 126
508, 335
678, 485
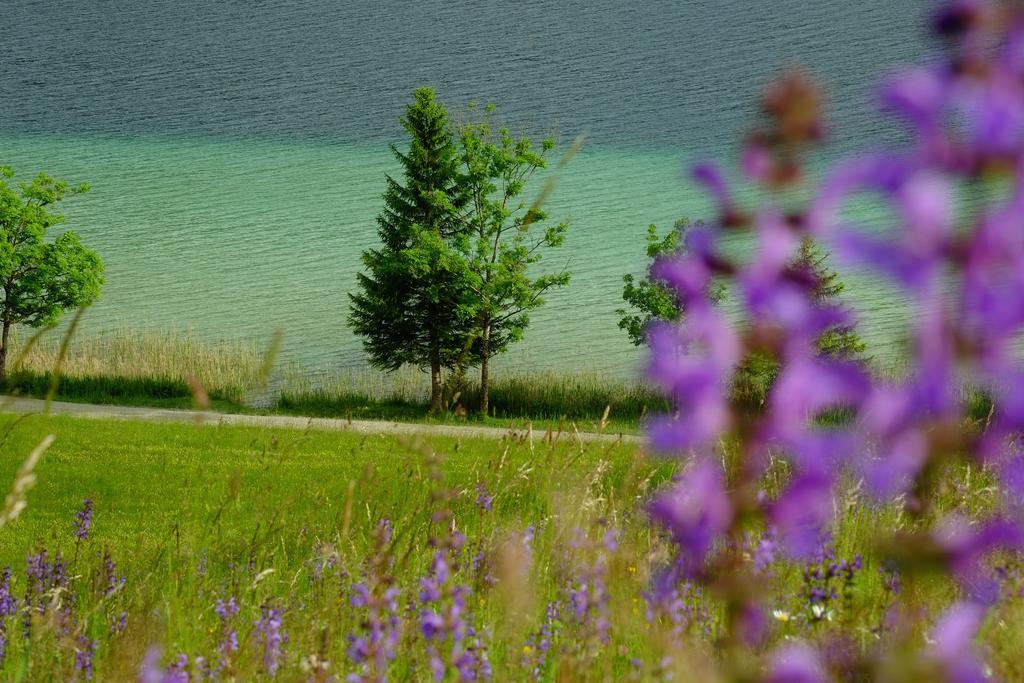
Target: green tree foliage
650, 300
412, 305
41, 278
507, 238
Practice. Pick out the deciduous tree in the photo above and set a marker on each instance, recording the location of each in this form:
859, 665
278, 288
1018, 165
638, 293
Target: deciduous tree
40, 277
508, 238
649, 299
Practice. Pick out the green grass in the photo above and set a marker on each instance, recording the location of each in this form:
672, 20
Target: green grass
193, 513
547, 396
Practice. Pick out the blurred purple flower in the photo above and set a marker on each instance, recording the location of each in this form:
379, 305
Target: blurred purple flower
796, 663
952, 643
151, 671
695, 511
803, 513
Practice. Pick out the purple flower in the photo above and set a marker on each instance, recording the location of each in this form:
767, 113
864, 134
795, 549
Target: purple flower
177, 671
695, 511
270, 639
83, 520
764, 552
712, 178
802, 514
373, 647
920, 95
952, 645
962, 268
538, 647
666, 599
226, 611
446, 623
8, 606
151, 672
483, 499
85, 653
45, 579
796, 664
109, 580
965, 547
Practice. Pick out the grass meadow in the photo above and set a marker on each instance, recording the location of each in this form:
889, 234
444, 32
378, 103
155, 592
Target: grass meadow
557, 553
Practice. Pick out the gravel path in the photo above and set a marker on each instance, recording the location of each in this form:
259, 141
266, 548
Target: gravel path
88, 410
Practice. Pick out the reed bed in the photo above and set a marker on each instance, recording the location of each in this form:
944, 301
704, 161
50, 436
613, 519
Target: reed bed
128, 363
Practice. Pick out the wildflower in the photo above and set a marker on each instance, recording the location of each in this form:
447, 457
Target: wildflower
325, 558
696, 511
537, 650
46, 584
373, 647
952, 643
445, 622
177, 671
270, 639
665, 600
108, 579
484, 500
966, 123
226, 611
796, 664
85, 653
8, 606
802, 513
764, 552
83, 520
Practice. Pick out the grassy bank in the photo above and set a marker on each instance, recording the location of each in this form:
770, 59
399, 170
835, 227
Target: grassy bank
537, 396
186, 516
153, 369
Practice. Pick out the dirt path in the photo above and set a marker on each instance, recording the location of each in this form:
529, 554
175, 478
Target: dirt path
106, 412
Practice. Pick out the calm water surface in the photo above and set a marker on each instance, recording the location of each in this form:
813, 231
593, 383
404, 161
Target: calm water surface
237, 149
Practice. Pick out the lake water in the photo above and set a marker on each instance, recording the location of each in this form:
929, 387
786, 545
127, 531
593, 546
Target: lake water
237, 149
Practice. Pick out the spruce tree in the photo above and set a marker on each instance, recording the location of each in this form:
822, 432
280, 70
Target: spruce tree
839, 341
412, 305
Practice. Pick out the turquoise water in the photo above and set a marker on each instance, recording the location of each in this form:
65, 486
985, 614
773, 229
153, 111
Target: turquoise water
237, 152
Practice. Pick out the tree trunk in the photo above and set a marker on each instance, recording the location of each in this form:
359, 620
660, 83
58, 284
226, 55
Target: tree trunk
485, 372
4, 345
436, 387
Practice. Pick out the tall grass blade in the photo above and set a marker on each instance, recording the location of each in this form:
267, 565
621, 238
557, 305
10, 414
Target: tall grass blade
59, 364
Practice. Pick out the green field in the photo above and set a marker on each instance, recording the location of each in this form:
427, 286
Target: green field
191, 514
